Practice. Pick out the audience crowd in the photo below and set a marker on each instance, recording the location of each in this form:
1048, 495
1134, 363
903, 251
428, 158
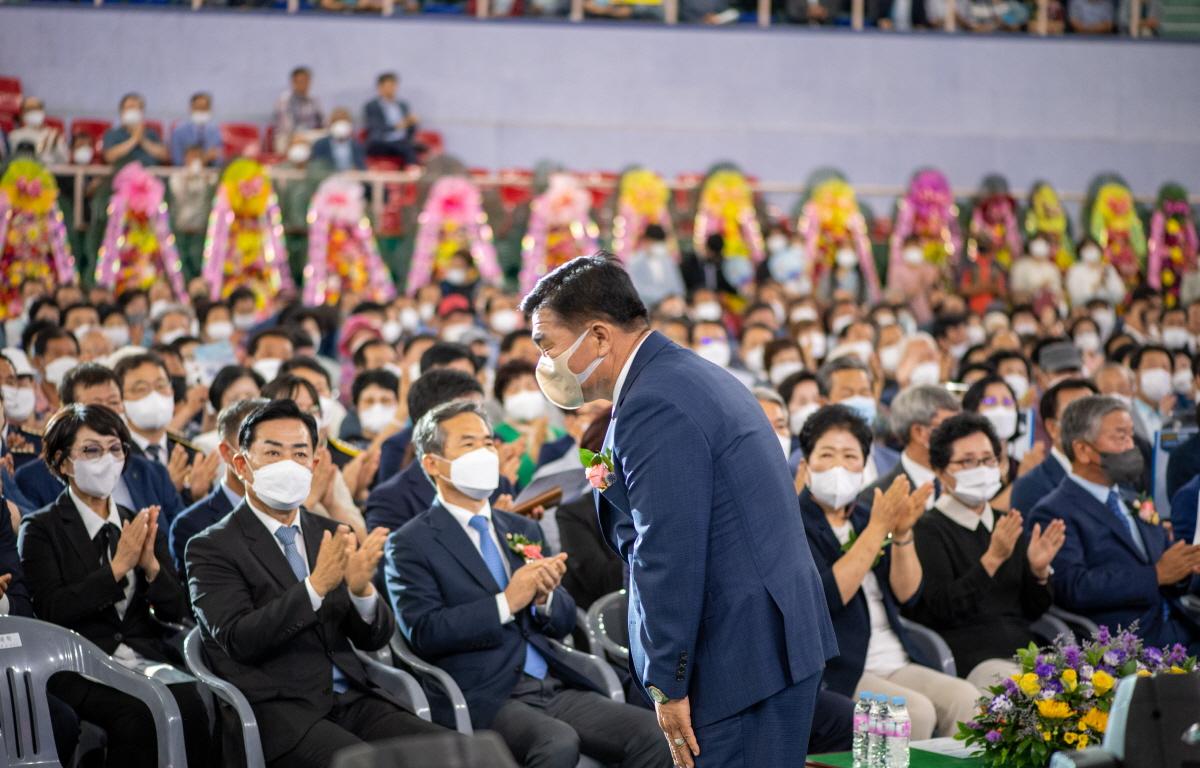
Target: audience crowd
301, 482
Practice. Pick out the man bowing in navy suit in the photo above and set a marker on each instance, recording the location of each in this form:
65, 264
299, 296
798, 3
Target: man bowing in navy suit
728, 626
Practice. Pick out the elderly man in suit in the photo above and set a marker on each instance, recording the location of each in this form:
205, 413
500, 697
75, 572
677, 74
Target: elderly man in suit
391, 126
1040, 482
916, 412
477, 596
281, 595
1115, 567
728, 626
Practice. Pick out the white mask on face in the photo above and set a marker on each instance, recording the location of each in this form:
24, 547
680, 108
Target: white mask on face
341, 129
835, 487
958, 351
889, 358
374, 419
1181, 382
1004, 420
98, 477
975, 486
913, 255
707, 312
152, 413
298, 153
839, 324
846, 258
391, 330
283, 485
34, 118
976, 334
56, 369
1176, 338
456, 276
1156, 383
776, 242
781, 371
19, 402
1090, 254
201, 117
245, 321
1086, 341
268, 368
169, 337
455, 333
332, 412
409, 319
800, 415
864, 406
426, 312
1039, 249
525, 406
715, 352
504, 321
131, 117
816, 344
1105, 320
785, 442
476, 474
83, 155
559, 383
117, 334
925, 373
1018, 383
803, 314
219, 330
753, 358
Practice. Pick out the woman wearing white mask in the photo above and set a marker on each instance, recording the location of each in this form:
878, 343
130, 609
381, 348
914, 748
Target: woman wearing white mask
782, 358
526, 418
1093, 277
985, 579
20, 401
994, 399
49, 147
870, 569
216, 323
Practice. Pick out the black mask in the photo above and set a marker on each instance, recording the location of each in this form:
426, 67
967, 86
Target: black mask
1123, 467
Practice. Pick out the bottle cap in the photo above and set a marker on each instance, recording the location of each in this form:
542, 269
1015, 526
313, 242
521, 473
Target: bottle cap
866, 695
898, 701
882, 697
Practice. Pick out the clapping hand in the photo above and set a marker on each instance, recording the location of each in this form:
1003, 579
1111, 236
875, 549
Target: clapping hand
5, 580
1005, 533
1178, 562
1043, 546
178, 468
363, 561
332, 559
510, 458
203, 472
147, 560
912, 513
889, 507
1031, 459
130, 545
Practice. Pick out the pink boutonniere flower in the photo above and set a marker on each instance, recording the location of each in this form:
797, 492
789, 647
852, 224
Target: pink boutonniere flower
530, 550
599, 468
1144, 507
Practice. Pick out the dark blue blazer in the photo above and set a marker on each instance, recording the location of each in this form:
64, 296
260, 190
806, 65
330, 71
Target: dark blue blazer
26, 455
377, 123
1099, 572
19, 601
1183, 510
195, 519
1029, 490
148, 484
322, 150
852, 620
1183, 465
445, 602
12, 492
391, 456
402, 497
725, 603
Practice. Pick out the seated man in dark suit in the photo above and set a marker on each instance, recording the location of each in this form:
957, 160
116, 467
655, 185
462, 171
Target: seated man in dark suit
281, 595
916, 412
1115, 568
142, 483
340, 150
390, 125
1039, 482
226, 496
476, 596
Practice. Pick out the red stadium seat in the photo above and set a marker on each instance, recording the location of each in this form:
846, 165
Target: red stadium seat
240, 139
58, 123
432, 140
6, 123
157, 127
10, 96
91, 127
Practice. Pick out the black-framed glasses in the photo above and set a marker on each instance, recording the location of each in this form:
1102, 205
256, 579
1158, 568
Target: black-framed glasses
93, 451
973, 463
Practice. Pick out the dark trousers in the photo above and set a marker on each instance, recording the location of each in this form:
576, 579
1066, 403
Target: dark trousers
129, 724
403, 149
355, 718
832, 723
547, 725
772, 733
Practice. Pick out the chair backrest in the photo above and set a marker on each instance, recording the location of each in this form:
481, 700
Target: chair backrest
932, 646
31, 651
193, 656
607, 623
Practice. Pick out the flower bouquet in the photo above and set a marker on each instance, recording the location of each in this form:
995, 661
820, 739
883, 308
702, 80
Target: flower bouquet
1061, 698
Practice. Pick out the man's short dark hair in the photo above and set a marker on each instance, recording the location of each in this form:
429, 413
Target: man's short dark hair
85, 375
654, 232
1000, 356
443, 353
589, 288
374, 378
510, 339
127, 364
360, 354
300, 70
510, 372
43, 338
439, 386
66, 313
230, 419
416, 337
275, 410
200, 95
1136, 361
843, 363
268, 333
65, 425
832, 417
1048, 405
955, 428
386, 77
284, 388
788, 387
308, 364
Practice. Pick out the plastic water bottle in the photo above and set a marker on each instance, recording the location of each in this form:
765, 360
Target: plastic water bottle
877, 733
862, 727
899, 729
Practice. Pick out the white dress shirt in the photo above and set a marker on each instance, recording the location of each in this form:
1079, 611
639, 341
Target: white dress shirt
1062, 459
919, 475
625, 370
364, 605
144, 444
964, 515
885, 652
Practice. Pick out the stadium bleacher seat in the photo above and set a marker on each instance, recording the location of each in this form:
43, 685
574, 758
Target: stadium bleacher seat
10, 96
92, 127
240, 139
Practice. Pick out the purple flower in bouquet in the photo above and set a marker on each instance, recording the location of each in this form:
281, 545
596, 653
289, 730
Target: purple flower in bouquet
993, 736
1071, 656
1053, 688
1043, 670
1000, 705
1103, 637
1010, 686
1178, 654
1154, 656
1114, 658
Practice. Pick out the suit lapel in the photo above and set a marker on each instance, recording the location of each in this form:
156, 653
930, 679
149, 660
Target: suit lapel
76, 532
515, 561
313, 532
1090, 505
264, 546
450, 535
653, 344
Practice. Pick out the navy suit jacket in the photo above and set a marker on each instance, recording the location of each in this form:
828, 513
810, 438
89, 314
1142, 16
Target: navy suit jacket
852, 620
1099, 572
725, 603
1184, 510
378, 127
1183, 465
445, 600
402, 497
195, 519
391, 456
1037, 484
322, 150
147, 481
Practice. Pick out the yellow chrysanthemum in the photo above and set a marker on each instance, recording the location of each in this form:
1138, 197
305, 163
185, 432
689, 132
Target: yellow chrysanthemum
1070, 738
1083, 741
1045, 735
1070, 679
1029, 684
1052, 709
1095, 719
1177, 670
1102, 682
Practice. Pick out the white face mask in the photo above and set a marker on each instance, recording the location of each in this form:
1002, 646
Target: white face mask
715, 352
332, 412
1105, 320
925, 373
1156, 383
220, 330
57, 369
559, 383
268, 368
456, 276
1090, 254
839, 324
1176, 338
1039, 249
34, 118
152, 413
913, 255
117, 334
341, 129
505, 321
525, 406
455, 333
976, 334
958, 351
835, 487
1086, 341
974, 487
1004, 421
803, 314
1018, 383
1181, 382
753, 358
800, 415
98, 477
374, 419
201, 118
19, 402
707, 312
169, 337
816, 344
864, 406
298, 153
131, 117
476, 474
83, 155
776, 243
781, 371
425, 312
409, 319
283, 485
785, 442
846, 258
889, 358
391, 330
244, 321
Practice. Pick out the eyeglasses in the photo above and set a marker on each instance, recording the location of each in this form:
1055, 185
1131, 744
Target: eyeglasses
998, 401
972, 463
92, 451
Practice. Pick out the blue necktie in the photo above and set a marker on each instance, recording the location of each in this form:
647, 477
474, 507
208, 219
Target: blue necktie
1118, 508
535, 665
287, 536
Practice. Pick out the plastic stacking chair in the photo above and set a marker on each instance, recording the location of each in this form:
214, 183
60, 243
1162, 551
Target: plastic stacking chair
399, 685
1082, 626
31, 652
932, 646
1048, 627
607, 624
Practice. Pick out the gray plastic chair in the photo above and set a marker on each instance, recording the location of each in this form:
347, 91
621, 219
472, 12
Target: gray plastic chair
1082, 626
401, 686
931, 645
607, 623
1049, 627
31, 651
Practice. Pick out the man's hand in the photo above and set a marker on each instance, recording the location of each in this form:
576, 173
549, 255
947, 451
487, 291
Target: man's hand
204, 471
1004, 540
529, 580
510, 458
322, 480
360, 471
361, 563
129, 546
801, 478
1043, 546
888, 508
553, 569
178, 468
5, 580
675, 720
147, 561
1178, 562
913, 511
332, 559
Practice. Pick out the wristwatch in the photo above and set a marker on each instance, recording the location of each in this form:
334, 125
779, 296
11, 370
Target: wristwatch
657, 695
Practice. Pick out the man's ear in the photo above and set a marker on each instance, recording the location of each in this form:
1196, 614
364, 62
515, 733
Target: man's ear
241, 466
604, 337
429, 464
